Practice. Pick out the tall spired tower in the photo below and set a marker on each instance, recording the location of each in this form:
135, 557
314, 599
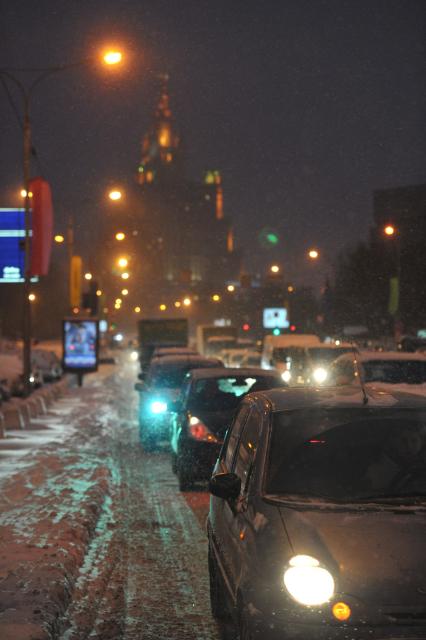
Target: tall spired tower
161, 158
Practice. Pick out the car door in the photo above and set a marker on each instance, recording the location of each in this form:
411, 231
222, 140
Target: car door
238, 517
178, 419
219, 514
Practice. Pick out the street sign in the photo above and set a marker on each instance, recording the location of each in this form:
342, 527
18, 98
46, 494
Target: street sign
275, 318
12, 245
80, 345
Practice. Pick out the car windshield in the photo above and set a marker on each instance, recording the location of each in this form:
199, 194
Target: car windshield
327, 354
221, 394
172, 377
349, 455
395, 371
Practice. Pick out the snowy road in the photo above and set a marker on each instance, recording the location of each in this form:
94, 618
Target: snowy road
141, 571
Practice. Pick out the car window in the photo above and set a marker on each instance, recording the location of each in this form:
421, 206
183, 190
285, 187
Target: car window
233, 435
247, 447
395, 371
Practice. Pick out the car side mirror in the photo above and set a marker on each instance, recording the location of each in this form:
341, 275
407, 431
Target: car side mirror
139, 386
175, 406
225, 485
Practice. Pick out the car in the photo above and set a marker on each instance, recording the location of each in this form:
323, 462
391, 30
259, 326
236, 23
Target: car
201, 416
307, 365
160, 386
251, 359
317, 516
161, 352
48, 363
387, 368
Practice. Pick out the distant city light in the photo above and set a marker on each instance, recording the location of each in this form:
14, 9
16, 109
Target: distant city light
115, 194
122, 262
290, 288
31, 297
230, 288
178, 304
118, 301
124, 292
216, 297
313, 254
120, 235
389, 230
59, 239
24, 193
137, 309
88, 276
187, 302
163, 307
113, 57
275, 268
99, 292
125, 276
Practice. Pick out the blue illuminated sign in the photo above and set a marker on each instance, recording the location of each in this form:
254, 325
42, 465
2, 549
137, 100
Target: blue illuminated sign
12, 245
80, 345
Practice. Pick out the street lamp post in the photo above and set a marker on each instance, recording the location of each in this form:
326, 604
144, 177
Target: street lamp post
110, 58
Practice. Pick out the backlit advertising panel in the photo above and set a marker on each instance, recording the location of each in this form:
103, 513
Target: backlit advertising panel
275, 318
12, 245
80, 344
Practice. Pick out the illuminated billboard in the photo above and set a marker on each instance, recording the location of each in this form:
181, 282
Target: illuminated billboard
80, 344
12, 245
275, 318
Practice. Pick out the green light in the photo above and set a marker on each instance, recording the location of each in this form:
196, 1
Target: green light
276, 332
272, 238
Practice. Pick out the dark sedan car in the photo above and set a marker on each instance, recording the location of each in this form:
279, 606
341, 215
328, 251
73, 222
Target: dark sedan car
201, 417
318, 516
160, 387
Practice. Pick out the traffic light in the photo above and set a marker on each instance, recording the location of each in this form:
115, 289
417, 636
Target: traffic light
292, 327
276, 332
246, 326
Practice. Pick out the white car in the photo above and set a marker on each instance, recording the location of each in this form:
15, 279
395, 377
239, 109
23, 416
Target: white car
395, 369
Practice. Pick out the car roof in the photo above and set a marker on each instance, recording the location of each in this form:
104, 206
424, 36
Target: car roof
222, 372
285, 399
185, 359
365, 356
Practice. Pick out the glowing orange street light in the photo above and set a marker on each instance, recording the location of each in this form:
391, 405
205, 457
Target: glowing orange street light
99, 292
163, 307
125, 276
124, 292
32, 297
120, 236
178, 304
59, 239
275, 268
88, 276
187, 302
115, 194
24, 193
216, 297
389, 230
118, 301
230, 288
122, 262
112, 57
137, 309
290, 288
313, 254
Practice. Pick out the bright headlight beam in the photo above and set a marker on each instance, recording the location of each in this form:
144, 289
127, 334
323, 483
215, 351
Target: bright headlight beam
320, 375
286, 376
158, 406
307, 582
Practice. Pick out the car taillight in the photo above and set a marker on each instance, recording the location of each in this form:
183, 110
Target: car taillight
199, 431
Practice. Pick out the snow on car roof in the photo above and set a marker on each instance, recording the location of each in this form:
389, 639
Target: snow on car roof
365, 356
182, 360
226, 372
339, 397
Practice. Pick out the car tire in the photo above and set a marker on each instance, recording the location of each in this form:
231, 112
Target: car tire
217, 598
184, 479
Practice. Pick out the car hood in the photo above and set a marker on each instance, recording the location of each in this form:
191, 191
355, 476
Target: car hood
376, 556
217, 421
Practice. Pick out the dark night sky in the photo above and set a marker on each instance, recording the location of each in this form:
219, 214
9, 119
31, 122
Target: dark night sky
305, 106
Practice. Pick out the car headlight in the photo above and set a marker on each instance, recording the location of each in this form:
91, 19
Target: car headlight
307, 582
286, 375
134, 356
320, 374
158, 406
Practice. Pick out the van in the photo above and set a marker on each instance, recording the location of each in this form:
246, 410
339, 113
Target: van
275, 348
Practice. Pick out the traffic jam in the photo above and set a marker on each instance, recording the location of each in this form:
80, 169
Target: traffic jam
314, 464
